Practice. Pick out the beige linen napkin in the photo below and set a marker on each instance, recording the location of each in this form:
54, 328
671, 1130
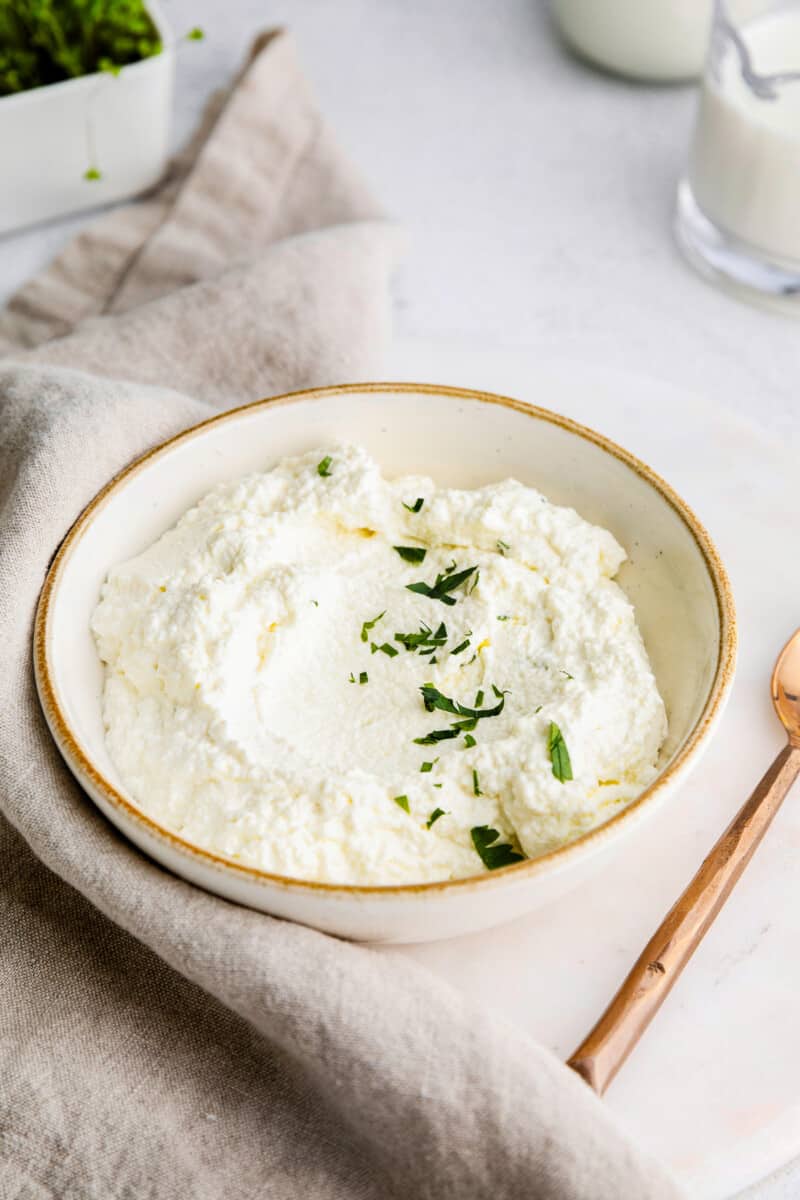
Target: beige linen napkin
156, 1041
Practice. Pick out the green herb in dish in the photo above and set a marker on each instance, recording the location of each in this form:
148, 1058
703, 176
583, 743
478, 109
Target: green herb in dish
445, 583
365, 628
493, 856
412, 554
559, 755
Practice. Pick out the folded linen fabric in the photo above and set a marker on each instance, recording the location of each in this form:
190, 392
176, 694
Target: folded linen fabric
158, 1041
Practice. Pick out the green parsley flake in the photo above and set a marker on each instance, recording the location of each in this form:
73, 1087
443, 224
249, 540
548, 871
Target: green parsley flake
493, 856
434, 699
476, 787
469, 741
502, 547
363, 677
324, 467
559, 755
412, 554
478, 699
434, 817
504, 618
416, 506
462, 645
425, 640
385, 648
428, 766
402, 802
445, 583
365, 628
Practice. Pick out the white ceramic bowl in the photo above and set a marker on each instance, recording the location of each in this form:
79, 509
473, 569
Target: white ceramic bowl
463, 438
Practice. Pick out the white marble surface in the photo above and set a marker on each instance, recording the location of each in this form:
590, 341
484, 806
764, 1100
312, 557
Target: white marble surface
537, 195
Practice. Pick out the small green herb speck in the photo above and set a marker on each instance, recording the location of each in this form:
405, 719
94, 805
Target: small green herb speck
425, 640
434, 817
402, 802
462, 645
363, 677
493, 856
416, 506
445, 583
504, 618
324, 467
385, 648
478, 699
428, 766
365, 628
476, 787
469, 741
412, 554
559, 755
502, 547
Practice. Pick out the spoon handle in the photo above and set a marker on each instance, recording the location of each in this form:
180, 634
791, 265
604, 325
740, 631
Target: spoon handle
602, 1053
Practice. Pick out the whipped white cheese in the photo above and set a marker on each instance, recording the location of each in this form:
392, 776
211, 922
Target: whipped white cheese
259, 703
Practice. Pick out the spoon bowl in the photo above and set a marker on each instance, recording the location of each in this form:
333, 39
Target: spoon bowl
786, 688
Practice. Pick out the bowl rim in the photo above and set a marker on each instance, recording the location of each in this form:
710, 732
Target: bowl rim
81, 764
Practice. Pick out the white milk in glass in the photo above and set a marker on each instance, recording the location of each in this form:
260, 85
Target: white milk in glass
744, 167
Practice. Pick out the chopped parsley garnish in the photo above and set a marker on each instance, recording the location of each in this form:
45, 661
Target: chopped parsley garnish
402, 802
567, 674
474, 583
462, 645
493, 856
412, 554
502, 547
445, 583
428, 766
365, 628
469, 741
434, 817
363, 677
559, 755
385, 648
324, 467
434, 699
476, 787
315, 603
352, 677
425, 640
438, 735
504, 618
416, 506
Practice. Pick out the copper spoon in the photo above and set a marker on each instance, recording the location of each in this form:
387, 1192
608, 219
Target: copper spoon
602, 1053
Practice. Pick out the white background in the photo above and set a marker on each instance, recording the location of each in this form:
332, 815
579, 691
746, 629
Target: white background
537, 195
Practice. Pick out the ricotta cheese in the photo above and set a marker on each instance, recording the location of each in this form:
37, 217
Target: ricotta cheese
264, 662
